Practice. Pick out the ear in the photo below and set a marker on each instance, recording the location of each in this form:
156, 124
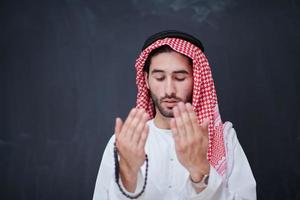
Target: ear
146, 76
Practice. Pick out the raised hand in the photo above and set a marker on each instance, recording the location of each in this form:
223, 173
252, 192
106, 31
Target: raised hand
191, 140
131, 137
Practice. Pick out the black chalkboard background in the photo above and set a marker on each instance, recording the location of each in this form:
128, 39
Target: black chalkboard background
67, 70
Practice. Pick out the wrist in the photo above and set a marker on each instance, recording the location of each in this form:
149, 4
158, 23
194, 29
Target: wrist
130, 186
202, 184
197, 175
127, 170
129, 180
128, 177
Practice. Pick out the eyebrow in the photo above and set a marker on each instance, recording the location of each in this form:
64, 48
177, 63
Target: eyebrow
157, 71
181, 72
174, 72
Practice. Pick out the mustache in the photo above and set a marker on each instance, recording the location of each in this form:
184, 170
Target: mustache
172, 97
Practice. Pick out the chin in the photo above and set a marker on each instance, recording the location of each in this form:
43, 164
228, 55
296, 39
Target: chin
168, 113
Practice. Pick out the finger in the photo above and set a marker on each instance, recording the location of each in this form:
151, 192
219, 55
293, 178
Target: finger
118, 126
179, 122
204, 126
139, 128
174, 129
134, 123
193, 117
187, 124
127, 122
143, 139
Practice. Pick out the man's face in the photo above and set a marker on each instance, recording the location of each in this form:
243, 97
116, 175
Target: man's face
170, 80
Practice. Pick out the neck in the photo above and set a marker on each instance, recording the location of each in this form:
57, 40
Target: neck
162, 122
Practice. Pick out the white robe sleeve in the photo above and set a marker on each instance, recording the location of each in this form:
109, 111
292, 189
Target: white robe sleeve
106, 187
238, 184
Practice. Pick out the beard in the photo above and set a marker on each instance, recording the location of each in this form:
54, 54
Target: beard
166, 111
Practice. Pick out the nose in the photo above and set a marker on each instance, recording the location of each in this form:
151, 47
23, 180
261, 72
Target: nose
170, 88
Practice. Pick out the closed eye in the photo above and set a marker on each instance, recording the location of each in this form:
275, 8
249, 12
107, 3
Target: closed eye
160, 78
180, 79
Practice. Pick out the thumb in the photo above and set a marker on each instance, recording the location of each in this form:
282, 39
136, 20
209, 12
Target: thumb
118, 126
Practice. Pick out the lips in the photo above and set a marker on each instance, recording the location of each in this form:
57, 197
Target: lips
170, 103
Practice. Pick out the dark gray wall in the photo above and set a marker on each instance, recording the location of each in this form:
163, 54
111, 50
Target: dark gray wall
67, 70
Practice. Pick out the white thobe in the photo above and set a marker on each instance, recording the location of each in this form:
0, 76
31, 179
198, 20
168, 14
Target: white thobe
169, 180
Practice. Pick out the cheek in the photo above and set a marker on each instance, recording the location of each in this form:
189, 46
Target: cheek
186, 89
156, 87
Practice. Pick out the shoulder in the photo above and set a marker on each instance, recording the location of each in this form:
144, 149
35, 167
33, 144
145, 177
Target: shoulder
229, 134
111, 141
231, 142
109, 146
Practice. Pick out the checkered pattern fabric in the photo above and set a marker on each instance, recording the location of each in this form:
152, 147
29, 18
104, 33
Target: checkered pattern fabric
204, 95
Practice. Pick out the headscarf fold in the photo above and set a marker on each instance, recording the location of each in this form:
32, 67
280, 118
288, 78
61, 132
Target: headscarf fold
204, 98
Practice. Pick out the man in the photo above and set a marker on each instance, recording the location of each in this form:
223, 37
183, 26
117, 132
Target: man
173, 145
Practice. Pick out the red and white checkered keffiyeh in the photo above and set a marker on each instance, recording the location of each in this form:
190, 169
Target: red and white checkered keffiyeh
204, 95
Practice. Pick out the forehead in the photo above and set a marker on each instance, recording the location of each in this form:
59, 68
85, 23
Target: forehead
170, 61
